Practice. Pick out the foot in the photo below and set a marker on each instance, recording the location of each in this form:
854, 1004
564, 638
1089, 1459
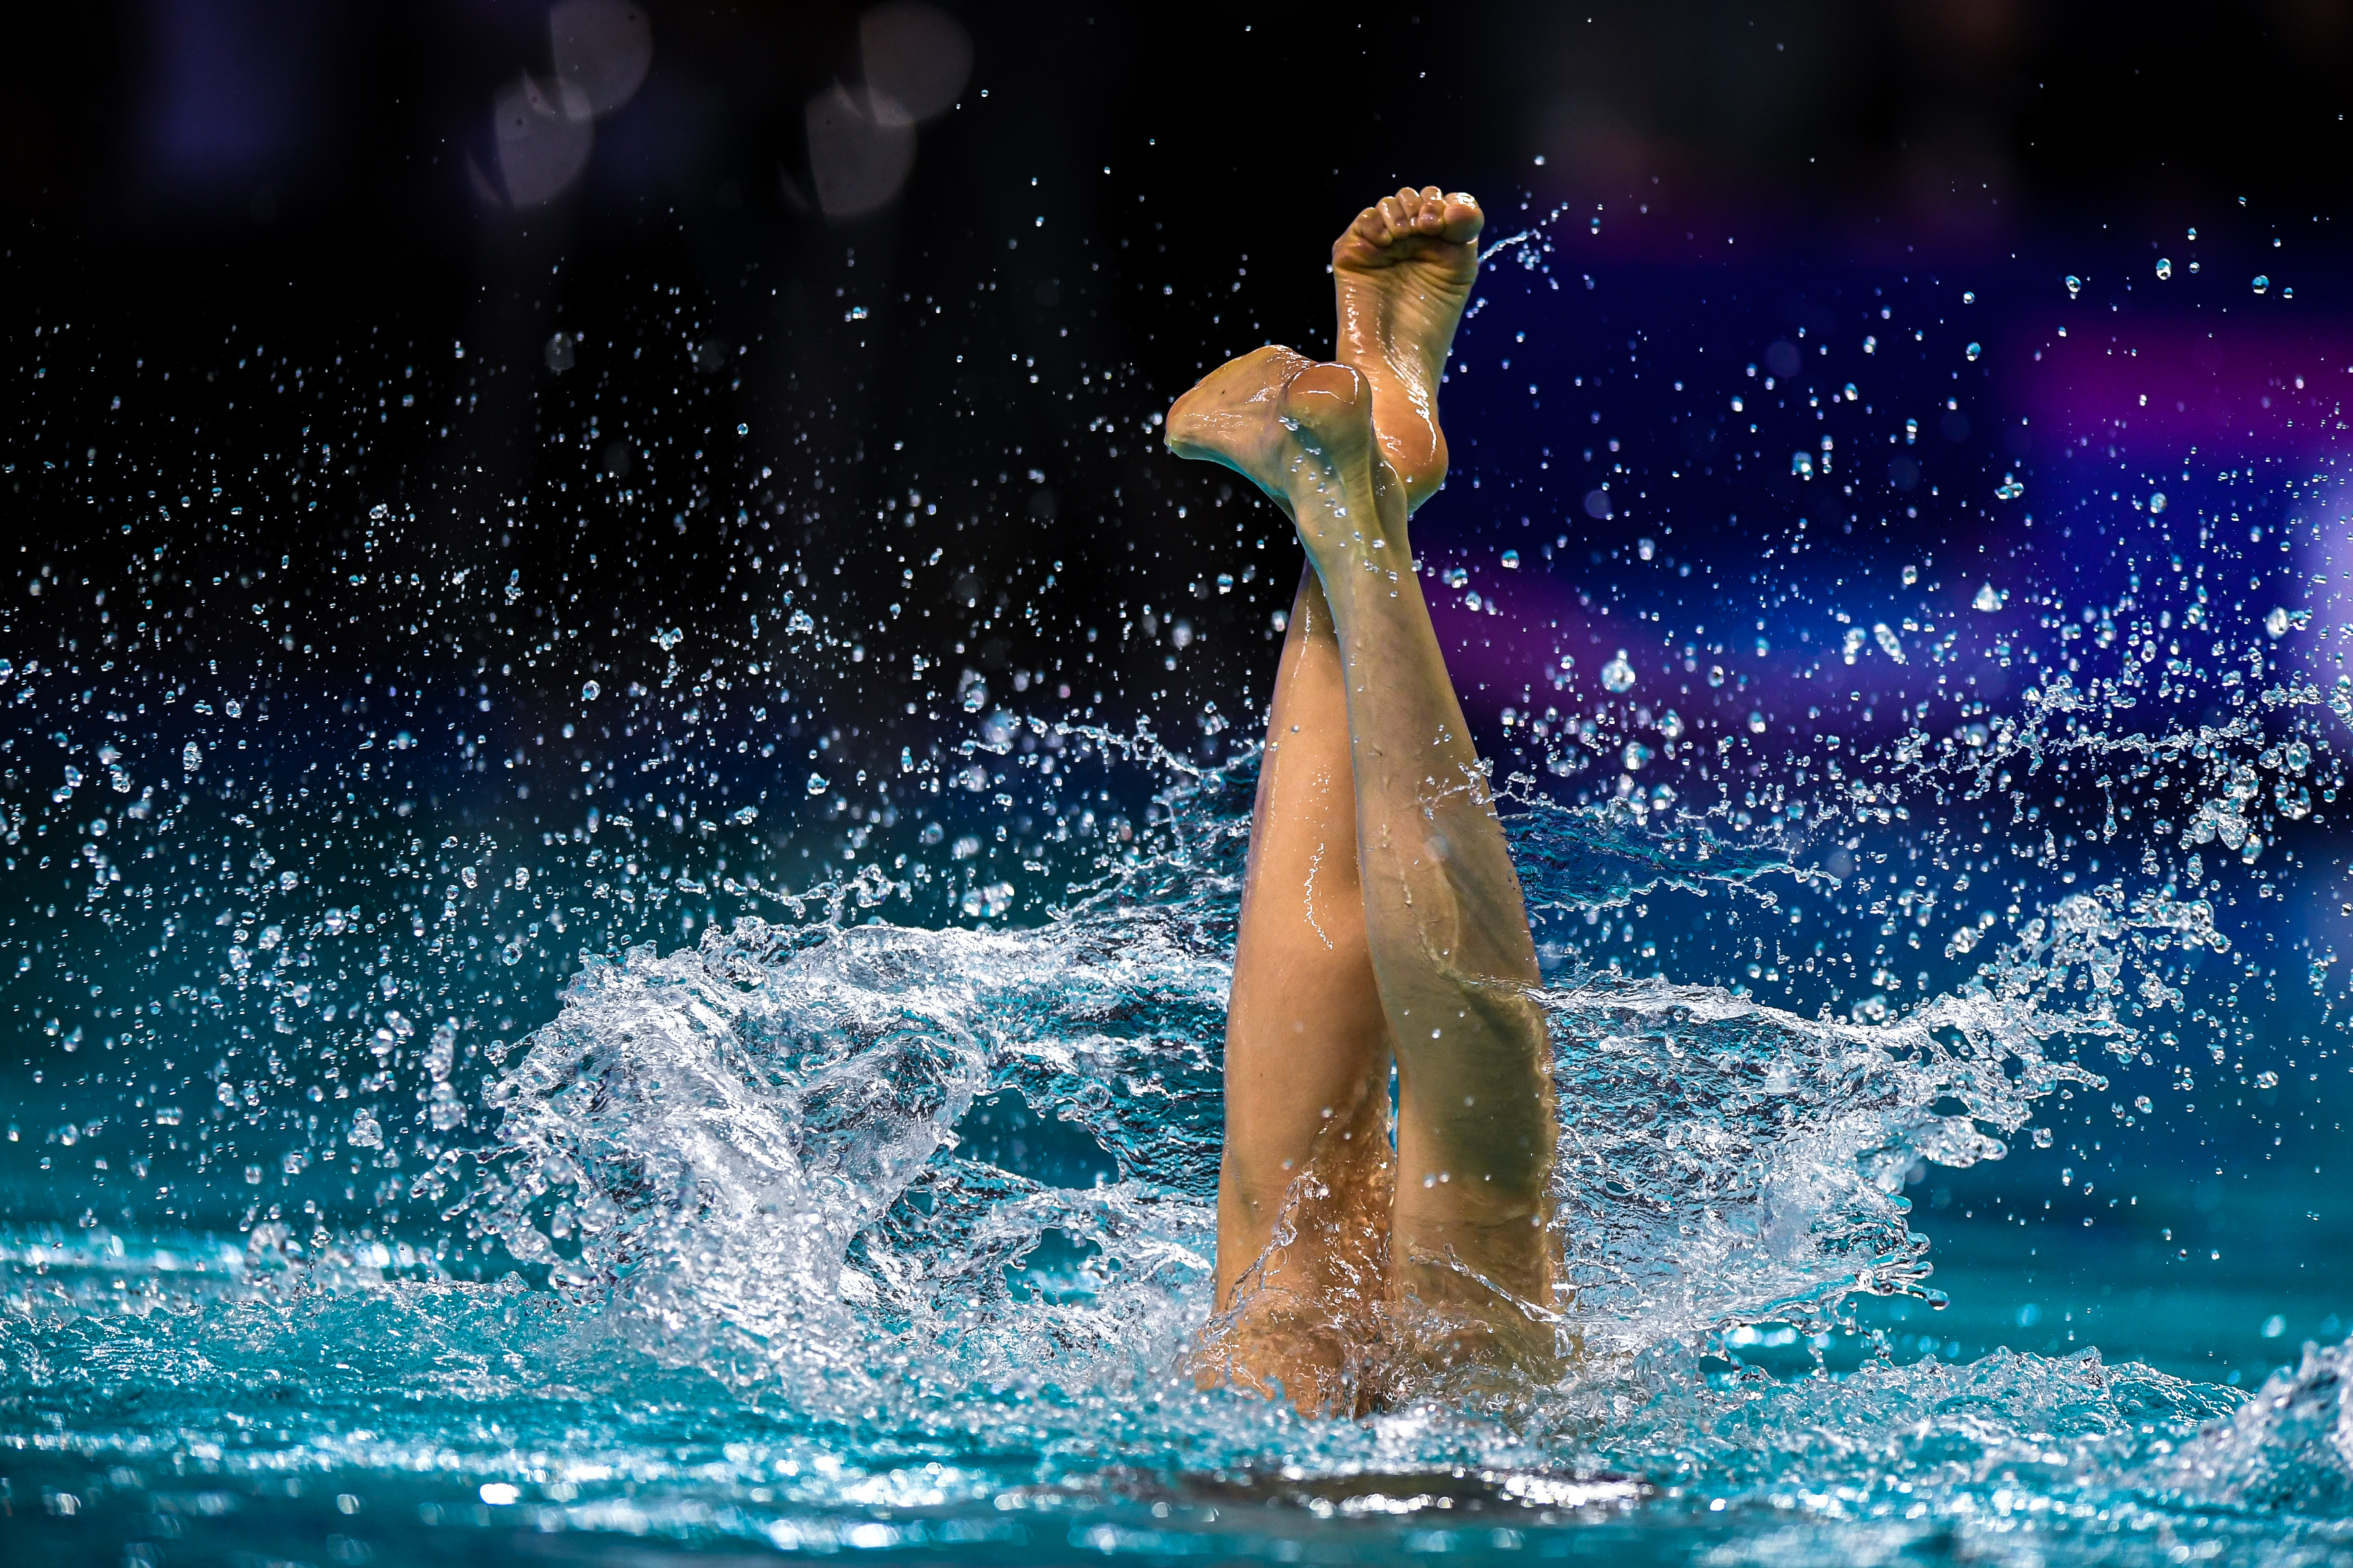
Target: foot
1403, 272
1301, 432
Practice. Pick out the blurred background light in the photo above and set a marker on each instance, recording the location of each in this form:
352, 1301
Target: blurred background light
542, 149
603, 49
915, 56
545, 130
861, 147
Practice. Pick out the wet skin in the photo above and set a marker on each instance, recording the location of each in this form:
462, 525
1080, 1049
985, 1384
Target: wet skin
1382, 921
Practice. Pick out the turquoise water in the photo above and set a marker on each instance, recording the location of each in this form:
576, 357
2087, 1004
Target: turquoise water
466, 1114
832, 1237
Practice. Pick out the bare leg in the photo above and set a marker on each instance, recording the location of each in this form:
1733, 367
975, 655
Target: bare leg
1307, 1060
1445, 923
1450, 944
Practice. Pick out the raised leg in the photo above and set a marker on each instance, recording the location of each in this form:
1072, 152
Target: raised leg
1303, 1186
1445, 924
1449, 934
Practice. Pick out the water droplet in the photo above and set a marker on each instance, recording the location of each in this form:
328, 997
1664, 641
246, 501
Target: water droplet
1618, 675
1512, 558
590, 691
1987, 598
1646, 548
1911, 575
2164, 267
817, 784
1756, 722
744, 815
2043, 1138
365, 1132
1801, 464
2261, 283
1975, 350
191, 759
2156, 501
2075, 286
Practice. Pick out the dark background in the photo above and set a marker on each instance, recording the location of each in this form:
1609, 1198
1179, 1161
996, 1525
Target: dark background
295, 182
204, 198
280, 342
240, 189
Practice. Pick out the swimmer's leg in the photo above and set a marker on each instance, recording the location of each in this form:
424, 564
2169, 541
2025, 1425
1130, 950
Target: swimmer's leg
1307, 1059
1445, 922
1448, 931
1439, 879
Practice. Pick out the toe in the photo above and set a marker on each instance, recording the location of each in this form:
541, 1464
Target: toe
1364, 238
1463, 219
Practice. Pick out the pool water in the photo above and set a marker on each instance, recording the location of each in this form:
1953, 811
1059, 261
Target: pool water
1936, 886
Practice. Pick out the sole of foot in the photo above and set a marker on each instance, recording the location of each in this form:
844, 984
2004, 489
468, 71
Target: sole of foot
1300, 431
1402, 273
